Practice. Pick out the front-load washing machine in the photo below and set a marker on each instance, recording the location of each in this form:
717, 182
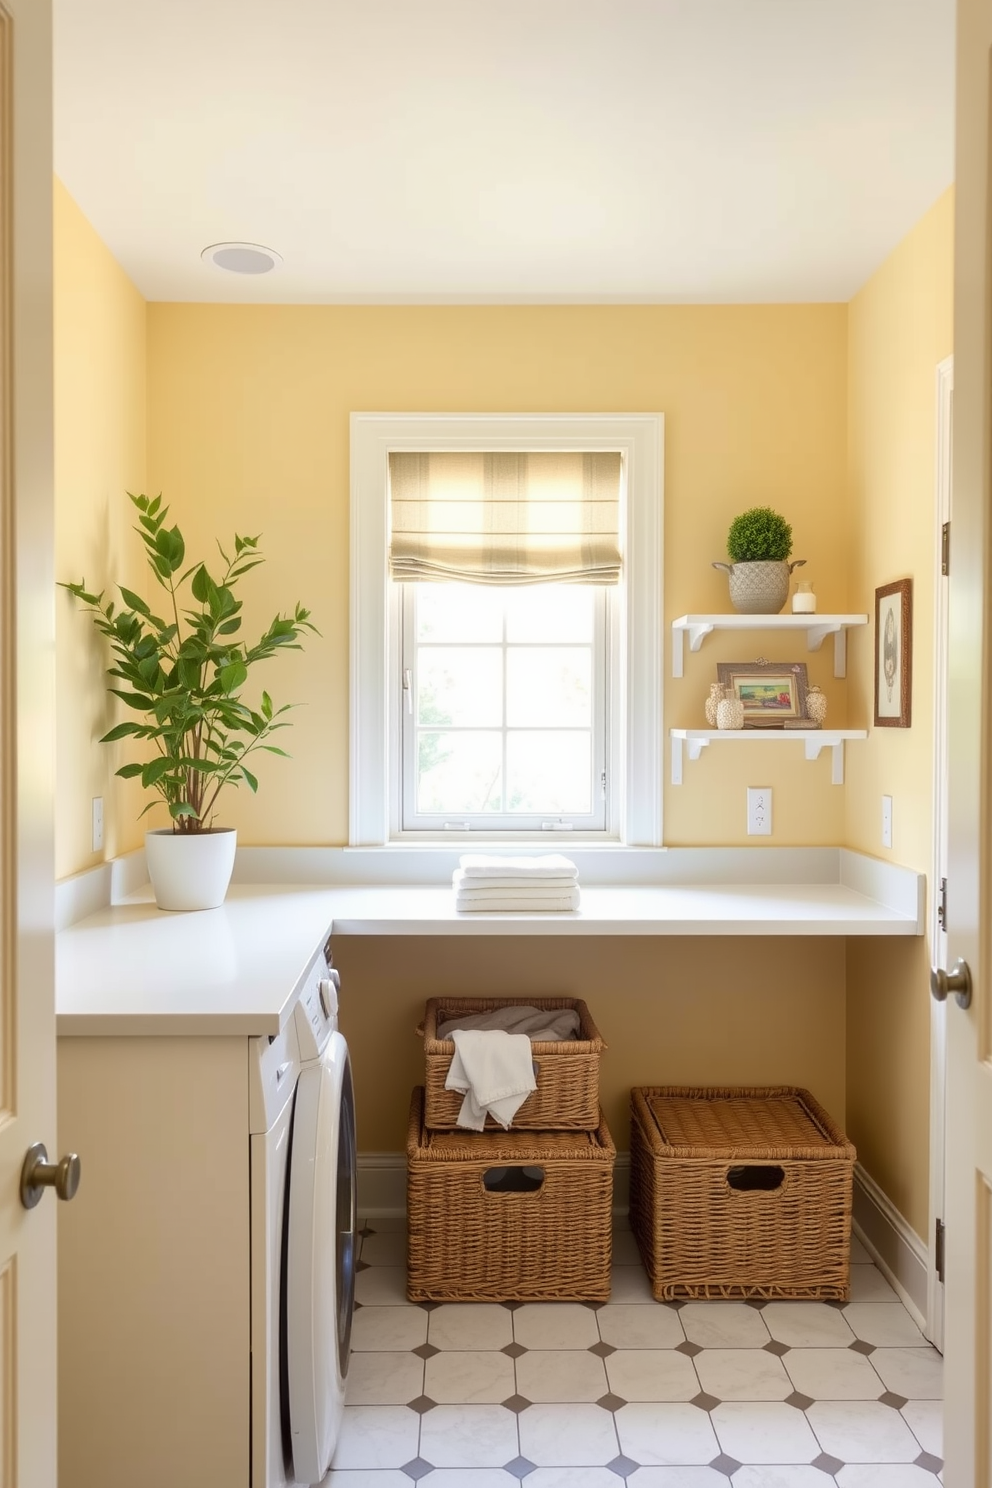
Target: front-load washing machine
303, 1218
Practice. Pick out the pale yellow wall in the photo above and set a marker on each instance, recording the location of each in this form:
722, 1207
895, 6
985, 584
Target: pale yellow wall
99, 453
899, 328
248, 427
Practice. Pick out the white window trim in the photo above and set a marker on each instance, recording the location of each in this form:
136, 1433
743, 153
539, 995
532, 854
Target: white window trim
640, 438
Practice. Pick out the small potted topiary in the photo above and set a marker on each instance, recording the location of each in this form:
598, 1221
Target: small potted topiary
759, 543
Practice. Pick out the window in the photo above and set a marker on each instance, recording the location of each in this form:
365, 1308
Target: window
509, 708
506, 694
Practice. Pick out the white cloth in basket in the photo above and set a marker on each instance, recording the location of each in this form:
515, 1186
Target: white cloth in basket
494, 1071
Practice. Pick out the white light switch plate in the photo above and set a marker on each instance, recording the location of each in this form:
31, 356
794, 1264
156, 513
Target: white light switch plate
97, 823
759, 811
886, 821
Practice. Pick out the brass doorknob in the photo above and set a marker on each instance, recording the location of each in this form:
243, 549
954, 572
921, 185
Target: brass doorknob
38, 1173
957, 980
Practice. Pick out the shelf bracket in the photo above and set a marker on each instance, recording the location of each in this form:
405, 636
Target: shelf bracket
814, 747
697, 634
817, 634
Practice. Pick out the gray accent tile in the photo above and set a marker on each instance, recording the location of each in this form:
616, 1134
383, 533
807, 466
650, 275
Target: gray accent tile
604, 1350
827, 1464
511, 1306
421, 1405
594, 1306
891, 1398
425, 1351
611, 1402
513, 1350
774, 1347
801, 1402
860, 1347
365, 1231
519, 1467
705, 1402
836, 1301
757, 1303
430, 1306
689, 1349
361, 1266
929, 1462
623, 1466
725, 1464
516, 1403
357, 1305
417, 1468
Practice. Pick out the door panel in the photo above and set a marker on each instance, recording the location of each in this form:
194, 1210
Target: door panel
968, 1300
27, 1010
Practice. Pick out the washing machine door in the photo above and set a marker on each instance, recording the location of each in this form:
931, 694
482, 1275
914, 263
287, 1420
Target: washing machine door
320, 1258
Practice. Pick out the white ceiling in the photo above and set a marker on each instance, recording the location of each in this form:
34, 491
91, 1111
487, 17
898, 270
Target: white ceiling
505, 150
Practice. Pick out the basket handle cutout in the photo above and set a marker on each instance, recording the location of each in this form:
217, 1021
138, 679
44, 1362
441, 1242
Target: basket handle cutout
761, 1177
513, 1180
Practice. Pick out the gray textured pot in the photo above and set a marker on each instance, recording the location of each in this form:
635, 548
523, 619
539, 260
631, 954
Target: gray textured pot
759, 588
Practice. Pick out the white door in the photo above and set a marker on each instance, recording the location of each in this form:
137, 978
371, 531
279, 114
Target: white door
968, 1299
27, 1033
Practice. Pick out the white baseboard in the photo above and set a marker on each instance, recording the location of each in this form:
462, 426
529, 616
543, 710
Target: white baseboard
382, 1184
893, 1245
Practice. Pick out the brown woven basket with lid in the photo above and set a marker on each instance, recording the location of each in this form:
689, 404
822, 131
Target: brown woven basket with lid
567, 1094
469, 1242
740, 1193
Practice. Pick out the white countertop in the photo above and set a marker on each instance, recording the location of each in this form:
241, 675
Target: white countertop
135, 969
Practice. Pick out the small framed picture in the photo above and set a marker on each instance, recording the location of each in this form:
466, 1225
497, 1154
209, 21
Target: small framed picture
773, 692
894, 654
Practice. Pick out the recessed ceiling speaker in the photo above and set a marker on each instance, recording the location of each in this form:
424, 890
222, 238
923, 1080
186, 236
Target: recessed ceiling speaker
242, 258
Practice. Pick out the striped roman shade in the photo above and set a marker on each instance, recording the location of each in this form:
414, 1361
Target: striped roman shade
505, 518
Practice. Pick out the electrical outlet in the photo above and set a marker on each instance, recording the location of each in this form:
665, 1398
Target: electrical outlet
97, 823
759, 811
886, 821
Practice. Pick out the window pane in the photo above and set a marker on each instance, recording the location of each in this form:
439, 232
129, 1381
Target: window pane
463, 687
459, 773
458, 612
548, 772
549, 686
549, 612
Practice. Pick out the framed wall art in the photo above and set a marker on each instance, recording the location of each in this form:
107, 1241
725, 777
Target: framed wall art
894, 654
773, 693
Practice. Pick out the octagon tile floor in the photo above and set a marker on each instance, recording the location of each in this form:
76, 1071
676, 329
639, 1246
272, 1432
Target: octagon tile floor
657, 1395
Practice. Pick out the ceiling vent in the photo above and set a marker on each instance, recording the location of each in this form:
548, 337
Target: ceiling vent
242, 258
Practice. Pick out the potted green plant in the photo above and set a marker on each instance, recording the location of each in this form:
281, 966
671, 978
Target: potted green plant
758, 544
183, 674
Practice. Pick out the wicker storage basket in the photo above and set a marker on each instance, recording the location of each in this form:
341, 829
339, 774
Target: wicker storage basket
567, 1094
740, 1193
467, 1243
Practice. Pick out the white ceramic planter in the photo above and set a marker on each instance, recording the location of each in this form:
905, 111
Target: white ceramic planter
190, 870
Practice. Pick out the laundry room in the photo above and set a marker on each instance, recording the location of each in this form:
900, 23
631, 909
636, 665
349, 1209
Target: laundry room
792, 370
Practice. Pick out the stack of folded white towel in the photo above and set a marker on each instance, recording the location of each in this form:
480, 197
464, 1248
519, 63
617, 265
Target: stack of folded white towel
549, 883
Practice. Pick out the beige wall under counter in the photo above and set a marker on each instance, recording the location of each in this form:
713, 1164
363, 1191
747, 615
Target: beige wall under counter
673, 1010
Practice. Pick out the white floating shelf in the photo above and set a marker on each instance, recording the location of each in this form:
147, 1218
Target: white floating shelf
815, 741
817, 628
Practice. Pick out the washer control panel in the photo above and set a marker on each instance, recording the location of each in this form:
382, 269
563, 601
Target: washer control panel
316, 1013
